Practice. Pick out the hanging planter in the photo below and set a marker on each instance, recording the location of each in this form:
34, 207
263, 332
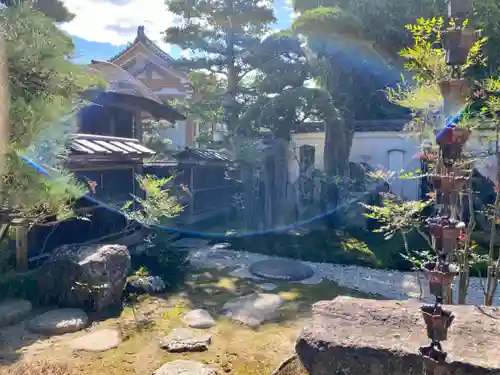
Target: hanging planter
457, 43
451, 140
434, 359
457, 88
447, 184
437, 322
440, 276
444, 228
459, 8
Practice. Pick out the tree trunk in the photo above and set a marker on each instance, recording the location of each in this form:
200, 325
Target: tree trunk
230, 114
338, 140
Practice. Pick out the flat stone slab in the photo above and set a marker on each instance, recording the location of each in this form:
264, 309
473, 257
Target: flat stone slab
356, 336
58, 322
98, 341
253, 309
189, 243
198, 319
13, 311
281, 269
185, 340
185, 368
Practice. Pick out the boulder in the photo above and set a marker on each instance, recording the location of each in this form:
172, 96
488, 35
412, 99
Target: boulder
352, 336
90, 277
59, 322
13, 311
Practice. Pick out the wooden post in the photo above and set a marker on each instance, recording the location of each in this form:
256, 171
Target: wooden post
22, 248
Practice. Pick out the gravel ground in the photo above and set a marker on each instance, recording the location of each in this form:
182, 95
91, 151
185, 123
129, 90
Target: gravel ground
388, 283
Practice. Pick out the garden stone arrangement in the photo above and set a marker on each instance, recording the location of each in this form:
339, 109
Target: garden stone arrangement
387, 283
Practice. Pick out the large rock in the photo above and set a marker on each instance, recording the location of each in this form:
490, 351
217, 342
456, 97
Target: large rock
59, 322
185, 368
89, 277
352, 336
13, 311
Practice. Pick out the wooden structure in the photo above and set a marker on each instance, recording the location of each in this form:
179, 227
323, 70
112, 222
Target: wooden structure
208, 189
107, 152
202, 182
148, 63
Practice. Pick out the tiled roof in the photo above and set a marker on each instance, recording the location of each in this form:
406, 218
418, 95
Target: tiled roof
121, 84
200, 155
141, 37
92, 144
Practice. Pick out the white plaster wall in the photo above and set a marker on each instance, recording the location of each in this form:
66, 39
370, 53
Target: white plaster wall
371, 148
177, 136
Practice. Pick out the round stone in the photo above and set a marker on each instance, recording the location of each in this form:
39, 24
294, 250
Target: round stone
281, 269
59, 322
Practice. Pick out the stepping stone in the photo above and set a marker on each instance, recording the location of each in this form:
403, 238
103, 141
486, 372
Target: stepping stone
198, 319
253, 309
281, 269
13, 311
98, 341
267, 286
59, 322
181, 340
190, 243
185, 368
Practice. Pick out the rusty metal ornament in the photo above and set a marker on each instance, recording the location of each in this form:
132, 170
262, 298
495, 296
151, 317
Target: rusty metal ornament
457, 42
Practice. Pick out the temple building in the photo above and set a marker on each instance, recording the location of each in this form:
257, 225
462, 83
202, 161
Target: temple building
148, 63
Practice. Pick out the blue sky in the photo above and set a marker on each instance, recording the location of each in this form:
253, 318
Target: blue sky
102, 28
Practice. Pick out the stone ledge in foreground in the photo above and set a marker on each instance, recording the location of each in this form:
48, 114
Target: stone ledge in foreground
352, 336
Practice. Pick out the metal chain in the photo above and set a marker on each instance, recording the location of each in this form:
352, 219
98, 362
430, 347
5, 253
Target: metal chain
440, 273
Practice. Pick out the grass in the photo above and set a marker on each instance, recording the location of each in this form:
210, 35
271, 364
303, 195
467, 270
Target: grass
38, 368
235, 349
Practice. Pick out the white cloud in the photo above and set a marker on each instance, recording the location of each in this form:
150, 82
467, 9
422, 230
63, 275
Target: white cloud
116, 21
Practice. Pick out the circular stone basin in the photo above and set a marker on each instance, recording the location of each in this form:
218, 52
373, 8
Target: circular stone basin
281, 269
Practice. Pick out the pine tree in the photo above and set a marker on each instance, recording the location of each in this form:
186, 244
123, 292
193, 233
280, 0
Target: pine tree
221, 35
44, 88
54, 9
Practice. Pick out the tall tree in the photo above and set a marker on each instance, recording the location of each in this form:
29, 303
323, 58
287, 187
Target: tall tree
282, 105
44, 88
221, 34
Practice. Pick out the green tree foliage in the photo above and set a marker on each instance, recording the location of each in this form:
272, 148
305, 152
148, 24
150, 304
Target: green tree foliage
221, 34
206, 103
43, 88
283, 101
54, 9
159, 203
